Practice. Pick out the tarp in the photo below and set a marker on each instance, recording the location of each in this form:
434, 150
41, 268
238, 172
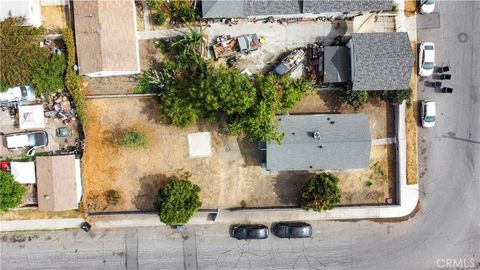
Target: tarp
364, 23
31, 116
23, 172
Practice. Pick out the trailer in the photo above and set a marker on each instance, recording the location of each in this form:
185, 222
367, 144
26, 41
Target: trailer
291, 62
226, 46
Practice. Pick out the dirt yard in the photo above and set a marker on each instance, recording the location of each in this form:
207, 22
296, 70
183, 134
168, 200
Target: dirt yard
230, 177
412, 122
55, 18
380, 113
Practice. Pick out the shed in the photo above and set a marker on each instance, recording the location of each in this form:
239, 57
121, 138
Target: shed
336, 66
320, 142
106, 37
31, 117
56, 183
23, 172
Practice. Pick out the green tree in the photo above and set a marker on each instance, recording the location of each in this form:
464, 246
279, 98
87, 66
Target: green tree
182, 11
20, 54
356, 99
397, 96
293, 90
154, 4
11, 192
134, 140
321, 192
178, 201
49, 76
159, 18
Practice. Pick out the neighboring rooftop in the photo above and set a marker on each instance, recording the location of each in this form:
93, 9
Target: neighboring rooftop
321, 141
56, 183
105, 34
381, 61
246, 8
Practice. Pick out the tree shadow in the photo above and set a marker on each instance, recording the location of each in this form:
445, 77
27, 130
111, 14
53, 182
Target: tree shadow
332, 100
149, 186
113, 136
288, 186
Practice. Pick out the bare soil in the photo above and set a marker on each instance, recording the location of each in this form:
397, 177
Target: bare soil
230, 177
109, 85
410, 7
22, 214
55, 18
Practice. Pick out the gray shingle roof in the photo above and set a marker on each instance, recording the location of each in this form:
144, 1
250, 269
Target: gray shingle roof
272, 7
383, 61
322, 6
336, 68
343, 144
244, 8
223, 8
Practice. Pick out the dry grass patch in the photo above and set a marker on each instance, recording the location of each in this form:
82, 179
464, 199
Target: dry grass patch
410, 7
411, 118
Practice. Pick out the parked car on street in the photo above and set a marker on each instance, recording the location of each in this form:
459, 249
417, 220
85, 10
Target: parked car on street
292, 230
428, 113
426, 59
17, 94
32, 139
427, 6
248, 231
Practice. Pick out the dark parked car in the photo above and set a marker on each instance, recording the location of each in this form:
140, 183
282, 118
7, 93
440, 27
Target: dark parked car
244, 232
23, 140
292, 230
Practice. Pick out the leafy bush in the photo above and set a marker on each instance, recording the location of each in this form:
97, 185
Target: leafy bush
178, 201
321, 192
112, 197
134, 140
20, 53
356, 99
49, 76
154, 4
182, 11
11, 192
397, 96
368, 183
72, 79
159, 18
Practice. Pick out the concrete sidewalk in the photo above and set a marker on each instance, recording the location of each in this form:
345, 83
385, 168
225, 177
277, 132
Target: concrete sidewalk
39, 224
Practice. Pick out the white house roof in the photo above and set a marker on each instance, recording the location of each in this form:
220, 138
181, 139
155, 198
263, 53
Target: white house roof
31, 117
29, 9
23, 172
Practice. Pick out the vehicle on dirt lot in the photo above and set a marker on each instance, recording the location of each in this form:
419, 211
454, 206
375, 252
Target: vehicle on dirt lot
427, 6
32, 139
17, 94
426, 59
428, 113
249, 231
292, 230
227, 46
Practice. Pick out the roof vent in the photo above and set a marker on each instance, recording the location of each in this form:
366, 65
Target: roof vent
316, 134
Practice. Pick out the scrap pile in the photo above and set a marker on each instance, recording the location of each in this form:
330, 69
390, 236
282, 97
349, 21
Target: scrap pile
60, 108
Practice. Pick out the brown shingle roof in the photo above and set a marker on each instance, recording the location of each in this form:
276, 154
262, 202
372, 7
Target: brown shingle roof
56, 185
105, 35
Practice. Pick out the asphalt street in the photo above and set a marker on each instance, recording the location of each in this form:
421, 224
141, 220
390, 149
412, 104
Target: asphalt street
445, 231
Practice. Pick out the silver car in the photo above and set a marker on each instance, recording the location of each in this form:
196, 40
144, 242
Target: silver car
32, 139
428, 113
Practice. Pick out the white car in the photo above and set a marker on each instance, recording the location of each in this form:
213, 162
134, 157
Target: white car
426, 59
428, 113
18, 141
16, 94
427, 6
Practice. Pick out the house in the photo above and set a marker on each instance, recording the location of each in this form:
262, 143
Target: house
57, 183
29, 9
369, 62
320, 142
289, 8
380, 61
106, 37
